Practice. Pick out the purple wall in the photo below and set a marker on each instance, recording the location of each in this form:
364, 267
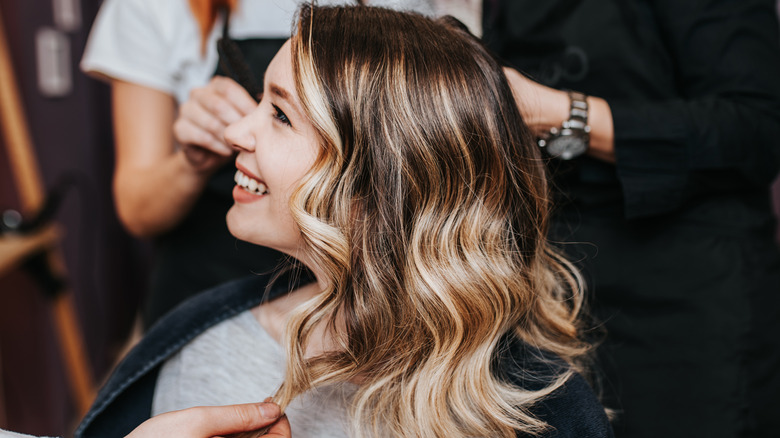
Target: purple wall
72, 136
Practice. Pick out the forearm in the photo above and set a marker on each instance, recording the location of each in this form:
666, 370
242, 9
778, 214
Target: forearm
545, 108
153, 200
602, 131
155, 185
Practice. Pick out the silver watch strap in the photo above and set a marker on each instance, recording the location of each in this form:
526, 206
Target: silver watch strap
578, 112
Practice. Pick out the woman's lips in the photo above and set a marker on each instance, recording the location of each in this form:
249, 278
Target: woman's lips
248, 188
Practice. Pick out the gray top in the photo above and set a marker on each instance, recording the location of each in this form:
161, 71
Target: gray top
237, 361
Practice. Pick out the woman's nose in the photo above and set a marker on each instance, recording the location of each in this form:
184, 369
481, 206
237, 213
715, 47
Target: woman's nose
239, 136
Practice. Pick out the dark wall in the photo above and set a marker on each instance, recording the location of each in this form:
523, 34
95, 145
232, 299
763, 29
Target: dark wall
776, 186
72, 140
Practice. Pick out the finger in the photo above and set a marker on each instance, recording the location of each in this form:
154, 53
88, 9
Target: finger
215, 103
197, 114
187, 132
223, 420
234, 93
280, 429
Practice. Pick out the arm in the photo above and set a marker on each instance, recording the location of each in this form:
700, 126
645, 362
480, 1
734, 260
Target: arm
156, 182
720, 133
206, 422
153, 186
543, 108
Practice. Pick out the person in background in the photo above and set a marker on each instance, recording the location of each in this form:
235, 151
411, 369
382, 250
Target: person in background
388, 157
661, 124
154, 54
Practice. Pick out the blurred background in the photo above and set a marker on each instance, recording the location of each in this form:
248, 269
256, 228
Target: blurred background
103, 275
68, 119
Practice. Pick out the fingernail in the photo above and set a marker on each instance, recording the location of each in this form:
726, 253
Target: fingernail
270, 410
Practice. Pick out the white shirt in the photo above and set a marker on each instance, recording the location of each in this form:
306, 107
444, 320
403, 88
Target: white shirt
157, 43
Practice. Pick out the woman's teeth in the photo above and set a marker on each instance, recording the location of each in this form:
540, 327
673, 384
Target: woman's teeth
251, 185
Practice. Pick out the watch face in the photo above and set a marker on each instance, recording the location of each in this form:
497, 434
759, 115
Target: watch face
566, 147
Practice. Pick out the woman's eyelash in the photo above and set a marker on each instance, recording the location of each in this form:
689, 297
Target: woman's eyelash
281, 116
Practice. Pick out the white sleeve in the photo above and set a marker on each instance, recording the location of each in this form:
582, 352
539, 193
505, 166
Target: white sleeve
128, 42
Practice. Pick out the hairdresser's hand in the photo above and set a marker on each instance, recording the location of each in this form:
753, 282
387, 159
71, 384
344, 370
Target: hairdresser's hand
544, 108
280, 429
200, 127
212, 421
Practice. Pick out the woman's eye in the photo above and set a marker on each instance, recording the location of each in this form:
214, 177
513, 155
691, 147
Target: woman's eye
281, 116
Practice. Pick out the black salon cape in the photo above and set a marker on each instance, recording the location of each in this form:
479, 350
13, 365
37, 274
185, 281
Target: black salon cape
125, 401
677, 239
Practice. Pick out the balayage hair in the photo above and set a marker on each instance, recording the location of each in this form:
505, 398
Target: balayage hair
427, 212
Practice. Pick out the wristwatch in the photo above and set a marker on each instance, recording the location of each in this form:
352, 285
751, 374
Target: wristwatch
572, 138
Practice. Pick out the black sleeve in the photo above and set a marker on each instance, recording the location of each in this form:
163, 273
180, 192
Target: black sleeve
727, 118
573, 411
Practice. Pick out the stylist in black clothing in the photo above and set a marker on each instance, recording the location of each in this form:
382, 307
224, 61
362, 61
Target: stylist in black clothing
669, 207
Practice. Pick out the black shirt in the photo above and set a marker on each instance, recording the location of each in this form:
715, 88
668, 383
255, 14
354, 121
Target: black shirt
675, 240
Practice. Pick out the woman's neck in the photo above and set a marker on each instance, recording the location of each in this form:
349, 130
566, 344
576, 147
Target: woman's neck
274, 315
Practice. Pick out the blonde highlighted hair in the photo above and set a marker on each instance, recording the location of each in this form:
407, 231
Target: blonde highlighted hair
427, 211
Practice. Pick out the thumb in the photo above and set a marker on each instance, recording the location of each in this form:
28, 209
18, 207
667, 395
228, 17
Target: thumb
280, 429
223, 420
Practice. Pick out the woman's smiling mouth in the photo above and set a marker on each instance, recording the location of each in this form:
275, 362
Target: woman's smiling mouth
250, 184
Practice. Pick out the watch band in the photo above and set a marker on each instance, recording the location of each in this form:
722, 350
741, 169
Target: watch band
578, 112
575, 127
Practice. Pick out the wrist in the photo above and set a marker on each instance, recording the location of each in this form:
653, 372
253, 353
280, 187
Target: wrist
189, 172
553, 113
602, 134
200, 162
571, 138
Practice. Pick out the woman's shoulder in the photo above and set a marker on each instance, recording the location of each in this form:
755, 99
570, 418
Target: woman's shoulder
125, 399
572, 410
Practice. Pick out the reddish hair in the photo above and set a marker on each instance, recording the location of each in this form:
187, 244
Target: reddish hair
205, 12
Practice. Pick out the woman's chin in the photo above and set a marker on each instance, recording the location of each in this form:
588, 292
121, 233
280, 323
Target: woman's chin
238, 229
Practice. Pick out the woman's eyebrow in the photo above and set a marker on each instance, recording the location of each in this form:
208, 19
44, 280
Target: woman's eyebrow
285, 95
281, 92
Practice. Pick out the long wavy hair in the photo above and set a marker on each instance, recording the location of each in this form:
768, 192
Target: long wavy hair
427, 212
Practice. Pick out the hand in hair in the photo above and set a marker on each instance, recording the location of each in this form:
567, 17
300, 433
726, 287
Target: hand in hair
543, 108
202, 119
211, 421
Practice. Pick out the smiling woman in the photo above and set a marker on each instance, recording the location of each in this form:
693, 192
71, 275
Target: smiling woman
388, 157
277, 145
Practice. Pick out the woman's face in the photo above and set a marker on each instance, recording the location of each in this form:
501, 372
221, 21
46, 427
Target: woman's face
277, 145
